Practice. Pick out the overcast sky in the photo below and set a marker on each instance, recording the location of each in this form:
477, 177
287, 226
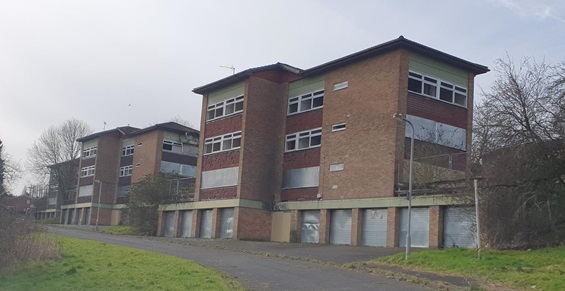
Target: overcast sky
136, 62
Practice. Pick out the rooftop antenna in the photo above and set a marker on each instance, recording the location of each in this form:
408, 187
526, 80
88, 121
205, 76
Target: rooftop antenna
104, 126
232, 68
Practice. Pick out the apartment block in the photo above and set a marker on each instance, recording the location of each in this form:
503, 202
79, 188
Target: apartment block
113, 160
315, 156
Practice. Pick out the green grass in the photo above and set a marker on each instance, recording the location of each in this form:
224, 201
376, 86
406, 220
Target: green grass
120, 229
544, 268
100, 266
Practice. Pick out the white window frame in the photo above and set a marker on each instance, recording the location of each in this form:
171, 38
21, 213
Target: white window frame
90, 152
87, 171
303, 135
339, 127
457, 92
234, 105
126, 171
222, 143
304, 99
173, 144
128, 150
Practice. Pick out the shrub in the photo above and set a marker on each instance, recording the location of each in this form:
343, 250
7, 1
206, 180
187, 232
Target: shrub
21, 241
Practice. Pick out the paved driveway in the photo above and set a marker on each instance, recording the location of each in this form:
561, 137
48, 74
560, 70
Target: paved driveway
244, 261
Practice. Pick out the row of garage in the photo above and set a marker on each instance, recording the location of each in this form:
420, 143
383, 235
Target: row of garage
458, 226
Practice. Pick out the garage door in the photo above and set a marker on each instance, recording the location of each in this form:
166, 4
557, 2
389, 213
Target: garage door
186, 223
206, 224
310, 232
374, 227
227, 223
420, 225
340, 227
169, 223
459, 227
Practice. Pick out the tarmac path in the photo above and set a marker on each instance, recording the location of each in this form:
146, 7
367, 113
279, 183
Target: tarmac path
254, 271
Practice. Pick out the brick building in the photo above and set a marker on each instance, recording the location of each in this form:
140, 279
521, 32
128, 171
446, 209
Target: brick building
315, 156
115, 159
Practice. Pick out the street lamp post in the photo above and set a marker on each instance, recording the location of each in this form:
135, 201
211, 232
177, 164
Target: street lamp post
401, 117
98, 208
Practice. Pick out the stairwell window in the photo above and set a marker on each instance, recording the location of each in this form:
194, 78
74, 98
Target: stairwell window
126, 171
226, 142
304, 140
87, 171
225, 108
436, 88
89, 152
128, 150
306, 102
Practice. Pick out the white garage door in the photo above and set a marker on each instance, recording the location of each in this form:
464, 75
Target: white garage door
340, 227
374, 227
186, 223
310, 232
459, 227
169, 223
420, 227
206, 224
227, 223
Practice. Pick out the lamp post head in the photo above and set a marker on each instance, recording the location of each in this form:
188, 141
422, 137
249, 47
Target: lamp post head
399, 116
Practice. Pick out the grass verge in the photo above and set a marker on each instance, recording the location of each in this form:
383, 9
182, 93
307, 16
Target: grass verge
100, 266
542, 269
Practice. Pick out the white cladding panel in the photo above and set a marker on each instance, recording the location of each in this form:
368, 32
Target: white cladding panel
310, 232
186, 223
206, 224
374, 227
340, 227
459, 227
420, 227
220, 178
227, 223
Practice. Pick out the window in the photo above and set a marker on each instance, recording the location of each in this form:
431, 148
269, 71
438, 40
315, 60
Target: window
225, 108
301, 178
126, 171
225, 177
87, 171
437, 89
123, 191
304, 140
128, 150
306, 102
172, 146
89, 152
85, 190
336, 167
340, 86
436, 132
338, 127
226, 142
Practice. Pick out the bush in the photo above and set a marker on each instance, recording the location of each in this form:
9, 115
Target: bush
21, 241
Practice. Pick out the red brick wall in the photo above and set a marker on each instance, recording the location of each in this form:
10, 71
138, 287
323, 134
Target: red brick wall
220, 160
436, 110
368, 147
107, 167
224, 125
252, 224
302, 159
218, 193
303, 121
262, 140
301, 193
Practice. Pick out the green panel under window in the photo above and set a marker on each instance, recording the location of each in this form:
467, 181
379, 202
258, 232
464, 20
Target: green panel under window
228, 92
128, 142
443, 71
171, 136
306, 86
90, 143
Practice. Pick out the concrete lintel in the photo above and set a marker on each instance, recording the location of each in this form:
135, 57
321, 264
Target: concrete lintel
226, 203
73, 206
370, 203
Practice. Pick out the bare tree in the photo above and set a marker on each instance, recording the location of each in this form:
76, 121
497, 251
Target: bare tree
9, 172
181, 121
54, 155
519, 138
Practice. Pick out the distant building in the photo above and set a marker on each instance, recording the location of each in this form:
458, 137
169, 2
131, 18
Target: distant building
62, 183
22, 205
115, 159
315, 156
